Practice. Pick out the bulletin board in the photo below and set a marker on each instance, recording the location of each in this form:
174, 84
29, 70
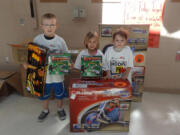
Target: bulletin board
143, 12
138, 35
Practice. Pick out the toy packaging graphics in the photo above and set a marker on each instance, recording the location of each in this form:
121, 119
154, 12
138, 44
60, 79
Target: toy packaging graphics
36, 72
100, 105
117, 67
138, 82
59, 63
91, 66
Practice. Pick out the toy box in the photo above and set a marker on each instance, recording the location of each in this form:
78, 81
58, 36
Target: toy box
59, 63
100, 105
138, 83
91, 66
36, 72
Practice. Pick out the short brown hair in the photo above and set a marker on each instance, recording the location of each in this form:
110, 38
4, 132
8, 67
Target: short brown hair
122, 32
90, 35
48, 16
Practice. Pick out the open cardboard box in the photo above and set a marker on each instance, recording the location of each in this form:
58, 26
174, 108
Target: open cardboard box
9, 82
19, 53
12, 82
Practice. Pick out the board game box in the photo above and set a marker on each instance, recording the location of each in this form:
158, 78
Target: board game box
59, 63
91, 66
36, 72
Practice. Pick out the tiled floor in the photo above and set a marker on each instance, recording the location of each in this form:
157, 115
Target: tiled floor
158, 114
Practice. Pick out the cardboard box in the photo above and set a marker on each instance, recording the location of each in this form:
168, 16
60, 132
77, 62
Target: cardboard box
138, 83
37, 68
91, 67
6, 74
3, 88
23, 73
9, 81
100, 105
59, 63
1, 83
69, 77
20, 53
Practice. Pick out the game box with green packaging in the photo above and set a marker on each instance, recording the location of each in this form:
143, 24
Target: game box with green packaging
91, 67
59, 63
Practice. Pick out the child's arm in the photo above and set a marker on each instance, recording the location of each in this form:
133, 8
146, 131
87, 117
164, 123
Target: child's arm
76, 72
77, 64
71, 65
106, 66
125, 75
107, 75
27, 65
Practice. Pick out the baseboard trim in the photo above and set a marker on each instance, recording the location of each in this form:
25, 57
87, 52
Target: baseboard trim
162, 90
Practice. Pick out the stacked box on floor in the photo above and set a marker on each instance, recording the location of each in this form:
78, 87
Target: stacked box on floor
138, 83
138, 74
100, 105
36, 72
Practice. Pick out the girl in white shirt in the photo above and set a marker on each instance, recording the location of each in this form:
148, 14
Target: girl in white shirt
91, 42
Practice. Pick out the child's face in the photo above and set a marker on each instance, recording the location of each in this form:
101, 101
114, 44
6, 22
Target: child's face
92, 43
49, 27
119, 41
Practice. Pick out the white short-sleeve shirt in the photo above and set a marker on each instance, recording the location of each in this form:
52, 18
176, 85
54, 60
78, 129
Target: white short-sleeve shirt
118, 58
84, 52
55, 45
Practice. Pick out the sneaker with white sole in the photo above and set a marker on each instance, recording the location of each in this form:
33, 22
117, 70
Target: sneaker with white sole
61, 114
43, 116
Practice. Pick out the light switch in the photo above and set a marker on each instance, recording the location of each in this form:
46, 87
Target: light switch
21, 21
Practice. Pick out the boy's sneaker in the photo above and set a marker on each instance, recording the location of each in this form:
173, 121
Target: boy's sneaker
61, 114
43, 116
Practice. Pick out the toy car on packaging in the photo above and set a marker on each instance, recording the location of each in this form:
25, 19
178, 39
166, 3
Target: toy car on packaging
36, 72
106, 113
59, 63
91, 66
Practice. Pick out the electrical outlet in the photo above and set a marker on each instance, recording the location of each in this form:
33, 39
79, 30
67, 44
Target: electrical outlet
79, 12
21, 21
7, 59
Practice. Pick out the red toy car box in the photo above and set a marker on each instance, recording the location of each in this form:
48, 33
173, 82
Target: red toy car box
100, 105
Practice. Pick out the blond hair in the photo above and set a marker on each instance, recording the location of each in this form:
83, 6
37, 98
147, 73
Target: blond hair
48, 16
90, 35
